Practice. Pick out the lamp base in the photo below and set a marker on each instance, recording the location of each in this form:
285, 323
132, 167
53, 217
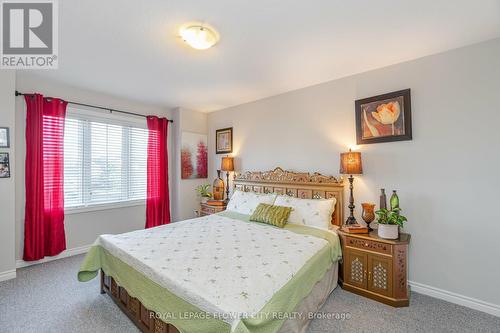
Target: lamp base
227, 186
351, 220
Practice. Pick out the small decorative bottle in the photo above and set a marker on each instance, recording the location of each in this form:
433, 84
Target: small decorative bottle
383, 199
394, 200
218, 187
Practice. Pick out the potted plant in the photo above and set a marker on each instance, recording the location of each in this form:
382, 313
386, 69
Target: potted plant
203, 192
389, 222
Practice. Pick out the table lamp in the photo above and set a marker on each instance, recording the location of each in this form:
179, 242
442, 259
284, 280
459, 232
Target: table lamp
350, 164
227, 165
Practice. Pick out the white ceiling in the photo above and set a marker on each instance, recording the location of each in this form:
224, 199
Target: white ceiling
131, 48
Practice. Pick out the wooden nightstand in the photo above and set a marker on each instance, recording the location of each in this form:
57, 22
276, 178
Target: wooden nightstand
375, 268
206, 209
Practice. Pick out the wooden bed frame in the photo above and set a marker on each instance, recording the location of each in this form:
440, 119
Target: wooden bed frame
296, 184
142, 317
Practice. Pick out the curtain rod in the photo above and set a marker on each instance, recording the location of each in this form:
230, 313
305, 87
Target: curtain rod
96, 107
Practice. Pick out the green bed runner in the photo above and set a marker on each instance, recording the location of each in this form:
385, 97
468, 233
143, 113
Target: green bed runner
190, 319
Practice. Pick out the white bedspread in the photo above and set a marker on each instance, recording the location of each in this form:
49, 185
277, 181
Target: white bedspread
221, 265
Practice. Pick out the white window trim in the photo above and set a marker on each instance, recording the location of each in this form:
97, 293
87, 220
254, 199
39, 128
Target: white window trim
106, 206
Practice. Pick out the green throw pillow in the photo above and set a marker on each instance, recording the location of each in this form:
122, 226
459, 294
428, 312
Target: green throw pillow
270, 214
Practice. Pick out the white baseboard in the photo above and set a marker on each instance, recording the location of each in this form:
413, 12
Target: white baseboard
66, 253
445, 295
7, 275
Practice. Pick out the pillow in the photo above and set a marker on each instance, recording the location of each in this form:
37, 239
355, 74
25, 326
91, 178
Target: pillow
246, 202
310, 212
274, 215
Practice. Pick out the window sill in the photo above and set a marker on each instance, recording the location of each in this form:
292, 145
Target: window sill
108, 206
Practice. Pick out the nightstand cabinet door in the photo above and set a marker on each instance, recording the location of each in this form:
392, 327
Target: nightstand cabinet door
375, 267
380, 274
356, 266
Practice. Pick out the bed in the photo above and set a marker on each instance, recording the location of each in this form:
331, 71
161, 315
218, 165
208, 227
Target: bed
222, 272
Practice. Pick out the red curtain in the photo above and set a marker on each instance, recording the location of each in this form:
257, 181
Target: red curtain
44, 216
158, 200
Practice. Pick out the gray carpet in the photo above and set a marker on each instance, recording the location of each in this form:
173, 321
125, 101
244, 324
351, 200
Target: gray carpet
48, 298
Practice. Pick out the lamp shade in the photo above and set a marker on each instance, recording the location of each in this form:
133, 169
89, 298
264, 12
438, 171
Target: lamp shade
350, 163
227, 164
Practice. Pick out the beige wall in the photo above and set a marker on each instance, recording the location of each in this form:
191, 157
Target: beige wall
186, 200
447, 176
7, 185
82, 228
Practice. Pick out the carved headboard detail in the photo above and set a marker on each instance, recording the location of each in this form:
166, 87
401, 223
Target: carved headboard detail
297, 184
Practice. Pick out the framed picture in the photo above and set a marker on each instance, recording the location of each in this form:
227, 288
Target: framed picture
4, 165
194, 155
4, 137
224, 141
384, 118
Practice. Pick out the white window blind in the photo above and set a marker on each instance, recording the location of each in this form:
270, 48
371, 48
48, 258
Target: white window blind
104, 161
73, 163
138, 163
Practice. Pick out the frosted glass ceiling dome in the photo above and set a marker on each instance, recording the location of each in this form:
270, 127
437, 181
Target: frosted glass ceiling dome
199, 36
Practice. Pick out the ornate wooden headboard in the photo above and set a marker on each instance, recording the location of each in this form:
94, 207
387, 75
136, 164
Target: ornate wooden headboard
297, 184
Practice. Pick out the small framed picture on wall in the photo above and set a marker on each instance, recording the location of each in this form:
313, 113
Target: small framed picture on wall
4, 137
224, 141
4, 165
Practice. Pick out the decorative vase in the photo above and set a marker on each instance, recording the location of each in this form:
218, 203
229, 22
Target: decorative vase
218, 188
204, 199
394, 200
388, 231
383, 199
368, 213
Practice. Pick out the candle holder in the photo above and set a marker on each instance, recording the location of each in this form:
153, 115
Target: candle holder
368, 214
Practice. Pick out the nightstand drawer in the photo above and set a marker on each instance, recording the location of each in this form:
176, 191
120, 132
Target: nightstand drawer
369, 245
206, 209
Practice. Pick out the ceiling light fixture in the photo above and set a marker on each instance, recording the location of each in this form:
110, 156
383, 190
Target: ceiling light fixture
200, 37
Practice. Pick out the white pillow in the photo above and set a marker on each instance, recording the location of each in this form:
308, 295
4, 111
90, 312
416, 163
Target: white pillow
310, 212
246, 202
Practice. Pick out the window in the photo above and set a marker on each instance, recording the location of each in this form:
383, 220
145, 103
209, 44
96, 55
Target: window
104, 160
